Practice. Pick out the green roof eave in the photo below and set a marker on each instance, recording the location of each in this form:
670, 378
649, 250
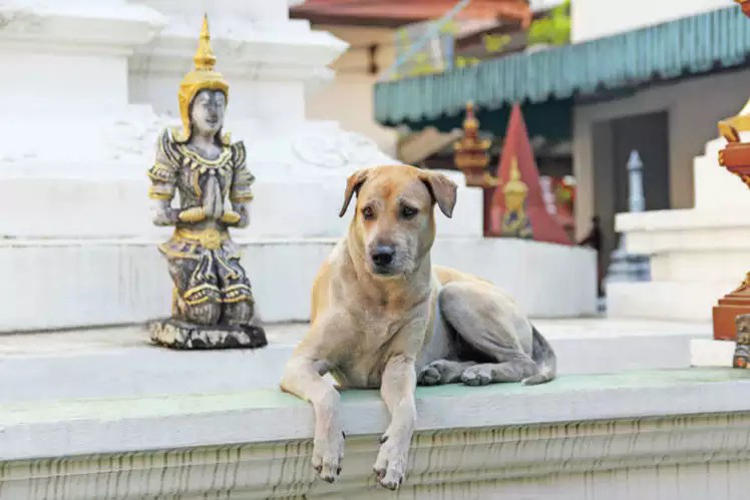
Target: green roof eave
691, 45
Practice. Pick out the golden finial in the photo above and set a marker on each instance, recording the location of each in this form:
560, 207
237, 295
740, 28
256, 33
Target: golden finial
204, 56
515, 185
470, 122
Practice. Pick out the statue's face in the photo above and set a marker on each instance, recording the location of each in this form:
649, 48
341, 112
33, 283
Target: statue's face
207, 115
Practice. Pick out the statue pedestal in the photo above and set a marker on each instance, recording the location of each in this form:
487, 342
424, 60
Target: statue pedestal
178, 335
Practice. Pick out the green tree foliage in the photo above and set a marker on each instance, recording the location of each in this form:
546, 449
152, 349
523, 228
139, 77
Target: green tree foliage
553, 29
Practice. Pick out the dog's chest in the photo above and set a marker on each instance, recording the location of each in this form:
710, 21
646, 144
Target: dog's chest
378, 338
363, 364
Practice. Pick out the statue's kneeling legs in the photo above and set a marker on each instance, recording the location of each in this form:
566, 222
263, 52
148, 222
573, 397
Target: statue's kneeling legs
213, 305
239, 305
197, 292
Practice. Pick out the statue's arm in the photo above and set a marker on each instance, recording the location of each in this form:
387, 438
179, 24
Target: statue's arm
241, 192
163, 176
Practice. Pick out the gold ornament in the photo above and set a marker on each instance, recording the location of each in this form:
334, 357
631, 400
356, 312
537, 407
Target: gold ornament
201, 78
515, 190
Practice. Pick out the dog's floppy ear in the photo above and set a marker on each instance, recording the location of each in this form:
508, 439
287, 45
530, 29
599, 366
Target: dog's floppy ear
443, 191
353, 183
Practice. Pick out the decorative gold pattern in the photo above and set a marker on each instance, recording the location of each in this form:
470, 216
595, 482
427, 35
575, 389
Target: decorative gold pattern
160, 193
201, 294
210, 238
237, 293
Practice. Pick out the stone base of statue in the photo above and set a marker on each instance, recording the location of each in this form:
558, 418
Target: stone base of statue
178, 334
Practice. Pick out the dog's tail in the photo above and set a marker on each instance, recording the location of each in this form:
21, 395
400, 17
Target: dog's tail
545, 359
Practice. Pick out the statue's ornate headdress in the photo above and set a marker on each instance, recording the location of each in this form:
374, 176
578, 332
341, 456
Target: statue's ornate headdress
514, 185
201, 78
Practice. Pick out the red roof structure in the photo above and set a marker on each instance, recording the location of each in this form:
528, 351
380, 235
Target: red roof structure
399, 12
544, 226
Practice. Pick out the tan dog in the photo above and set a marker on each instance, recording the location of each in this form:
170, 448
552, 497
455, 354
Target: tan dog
383, 316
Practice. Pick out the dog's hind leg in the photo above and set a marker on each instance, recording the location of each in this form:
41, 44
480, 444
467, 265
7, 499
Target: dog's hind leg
493, 332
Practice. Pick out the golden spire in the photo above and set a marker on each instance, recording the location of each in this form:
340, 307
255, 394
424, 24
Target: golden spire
471, 124
204, 56
515, 185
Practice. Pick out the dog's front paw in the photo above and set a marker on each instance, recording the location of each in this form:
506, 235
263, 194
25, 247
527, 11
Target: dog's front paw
328, 451
391, 463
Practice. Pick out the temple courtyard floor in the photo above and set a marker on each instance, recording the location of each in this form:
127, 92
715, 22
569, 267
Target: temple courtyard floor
101, 413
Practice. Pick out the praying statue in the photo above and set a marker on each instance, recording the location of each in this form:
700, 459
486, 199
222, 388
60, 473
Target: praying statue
212, 300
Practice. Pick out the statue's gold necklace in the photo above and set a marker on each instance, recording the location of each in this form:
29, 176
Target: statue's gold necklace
197, 162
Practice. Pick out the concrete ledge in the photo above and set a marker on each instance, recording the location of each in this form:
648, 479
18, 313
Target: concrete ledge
125, 365
566, 437
76, 427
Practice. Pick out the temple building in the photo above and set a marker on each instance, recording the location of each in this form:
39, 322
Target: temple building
636, 76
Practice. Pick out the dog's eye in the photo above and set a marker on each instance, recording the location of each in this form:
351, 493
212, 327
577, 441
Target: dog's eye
408, 212
368, 213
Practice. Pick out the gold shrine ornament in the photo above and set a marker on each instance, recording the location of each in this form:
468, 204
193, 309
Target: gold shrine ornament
203, 77
515, 190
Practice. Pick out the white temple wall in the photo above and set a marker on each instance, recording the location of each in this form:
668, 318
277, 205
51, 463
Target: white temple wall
694, 106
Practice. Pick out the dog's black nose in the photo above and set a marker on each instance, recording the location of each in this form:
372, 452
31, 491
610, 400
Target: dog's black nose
383, 255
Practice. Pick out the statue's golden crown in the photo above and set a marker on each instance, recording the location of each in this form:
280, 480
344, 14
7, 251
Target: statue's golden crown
201, 78
515, 185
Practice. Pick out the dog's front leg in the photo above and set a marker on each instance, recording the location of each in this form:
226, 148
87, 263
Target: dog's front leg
397, 389
303, 378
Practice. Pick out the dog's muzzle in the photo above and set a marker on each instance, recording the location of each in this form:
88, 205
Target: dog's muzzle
382, 257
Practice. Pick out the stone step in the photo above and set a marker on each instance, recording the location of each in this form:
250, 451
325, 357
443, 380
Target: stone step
666, 300
121, 363
114, 424
710, 353
62, 283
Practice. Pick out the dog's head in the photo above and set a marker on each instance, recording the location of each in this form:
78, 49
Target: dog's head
394, 219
